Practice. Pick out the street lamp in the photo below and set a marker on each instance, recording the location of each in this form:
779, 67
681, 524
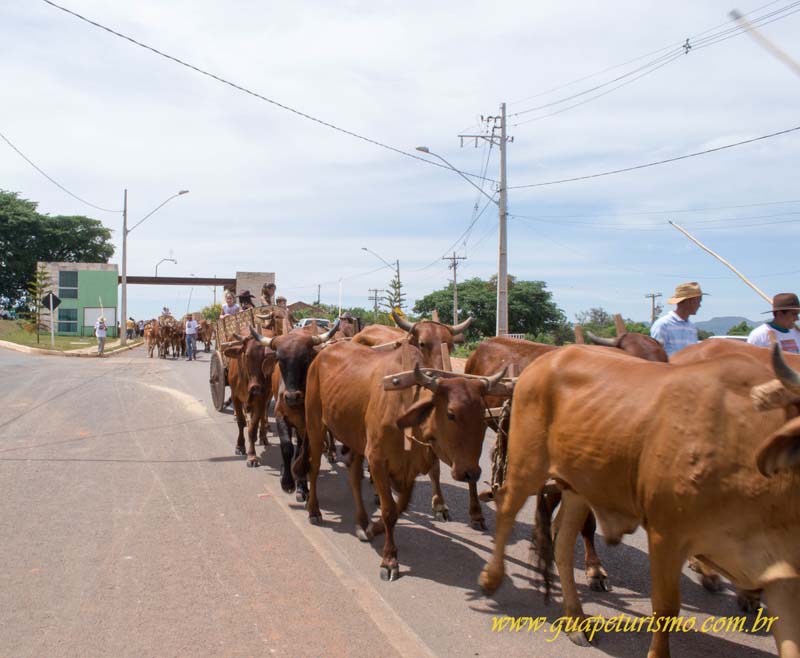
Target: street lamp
172, 260
502, 258
125, 230
395, 266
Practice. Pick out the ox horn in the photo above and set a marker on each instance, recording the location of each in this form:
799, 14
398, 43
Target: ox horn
605, 342
324, 338
789, 378
425, 380
493, 379
404, 324
261, 339
461, 327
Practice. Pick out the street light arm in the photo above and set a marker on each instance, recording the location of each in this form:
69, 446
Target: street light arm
174, 196
383, 260
425, 149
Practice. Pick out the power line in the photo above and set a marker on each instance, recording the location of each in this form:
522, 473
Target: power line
52, 180
238, 87
653, 164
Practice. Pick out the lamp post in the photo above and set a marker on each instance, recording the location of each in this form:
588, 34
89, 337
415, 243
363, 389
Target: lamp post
395, 266
172, 260
125, 230
502, 257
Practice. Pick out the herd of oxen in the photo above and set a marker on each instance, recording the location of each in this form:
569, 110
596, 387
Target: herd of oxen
167, 337
702, 451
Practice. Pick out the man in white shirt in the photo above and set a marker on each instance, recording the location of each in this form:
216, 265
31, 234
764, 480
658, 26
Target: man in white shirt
785, 311
674, 330
191, 338
101, 331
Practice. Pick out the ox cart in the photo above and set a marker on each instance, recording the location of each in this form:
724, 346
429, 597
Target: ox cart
269, 320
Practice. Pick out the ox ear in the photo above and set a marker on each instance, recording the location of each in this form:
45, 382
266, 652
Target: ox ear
781, 451
415, 414
233, 352
268, 364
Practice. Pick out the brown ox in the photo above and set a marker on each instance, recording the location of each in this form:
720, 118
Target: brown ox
250, 378
151, 336
345, 396
504, 351
430, 337
656, 445
294, 353
205, 334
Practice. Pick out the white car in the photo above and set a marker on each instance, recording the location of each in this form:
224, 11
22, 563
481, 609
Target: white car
321, 323
742, 338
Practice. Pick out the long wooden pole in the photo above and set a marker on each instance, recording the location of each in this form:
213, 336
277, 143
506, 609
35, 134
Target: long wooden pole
724, 262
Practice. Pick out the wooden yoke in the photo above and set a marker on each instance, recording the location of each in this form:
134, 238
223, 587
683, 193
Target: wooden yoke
407, 394
620, 325
446, 363
435, 315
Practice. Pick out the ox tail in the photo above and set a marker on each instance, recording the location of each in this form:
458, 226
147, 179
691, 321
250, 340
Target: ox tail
542, 541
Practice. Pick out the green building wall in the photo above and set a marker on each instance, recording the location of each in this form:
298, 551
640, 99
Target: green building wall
93, 286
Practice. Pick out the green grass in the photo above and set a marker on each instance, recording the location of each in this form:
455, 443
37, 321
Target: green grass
14, 331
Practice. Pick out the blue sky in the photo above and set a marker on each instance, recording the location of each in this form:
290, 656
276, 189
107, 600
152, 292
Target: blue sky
273, 191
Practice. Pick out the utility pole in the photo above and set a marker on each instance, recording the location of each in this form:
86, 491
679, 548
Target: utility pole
319, 287
375, 297
123, 335
652, 297
454, 266
498, 124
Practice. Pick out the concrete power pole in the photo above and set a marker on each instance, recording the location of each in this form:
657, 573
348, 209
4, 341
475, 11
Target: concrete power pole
498, 123
454, 266
375, 297
652, 297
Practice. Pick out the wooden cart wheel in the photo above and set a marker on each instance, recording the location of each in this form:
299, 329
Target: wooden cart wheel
218, 381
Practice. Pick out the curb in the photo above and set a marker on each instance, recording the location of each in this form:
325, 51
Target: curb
16, 347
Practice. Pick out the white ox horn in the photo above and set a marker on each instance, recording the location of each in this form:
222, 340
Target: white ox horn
268, 342
404, 324
324, 338
599, 340
461, 327
788, 377
493, 379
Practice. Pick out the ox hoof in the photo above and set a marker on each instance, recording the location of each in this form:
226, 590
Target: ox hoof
240, 450
579, 638
748, 600
711, 582
599, 584
331, 457
263, 441
477, 524
300, 496
486, 496
377, 500
488, 582
289, 487
390, 573
315, 519
253, 463
364, 534
441, 514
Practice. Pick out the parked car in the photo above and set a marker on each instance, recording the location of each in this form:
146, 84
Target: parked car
322, 323
742, 338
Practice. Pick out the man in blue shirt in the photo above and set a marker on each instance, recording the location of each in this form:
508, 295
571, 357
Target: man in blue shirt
674, 330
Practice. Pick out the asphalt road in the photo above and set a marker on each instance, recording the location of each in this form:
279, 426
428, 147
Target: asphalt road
129, 528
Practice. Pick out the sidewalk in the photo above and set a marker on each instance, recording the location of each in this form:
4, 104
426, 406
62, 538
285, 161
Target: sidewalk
90, 351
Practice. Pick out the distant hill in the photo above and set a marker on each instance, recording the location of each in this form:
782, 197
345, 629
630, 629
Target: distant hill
720, 326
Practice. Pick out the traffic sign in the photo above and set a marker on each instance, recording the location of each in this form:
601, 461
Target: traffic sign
46, 301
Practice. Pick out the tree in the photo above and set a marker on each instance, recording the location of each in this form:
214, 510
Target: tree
395, 297
38, 287
741, 329
531, 309
212, 312
601, 323
27, 236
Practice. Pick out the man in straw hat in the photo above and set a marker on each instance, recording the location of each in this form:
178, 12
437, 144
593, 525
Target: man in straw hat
674, 330
246, 300
785, 310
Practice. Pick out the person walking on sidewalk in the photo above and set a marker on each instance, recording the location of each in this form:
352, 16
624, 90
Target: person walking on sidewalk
101, 331
191, 338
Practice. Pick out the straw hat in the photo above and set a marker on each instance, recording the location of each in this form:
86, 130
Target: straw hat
102, 318
785, 301
686, 291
